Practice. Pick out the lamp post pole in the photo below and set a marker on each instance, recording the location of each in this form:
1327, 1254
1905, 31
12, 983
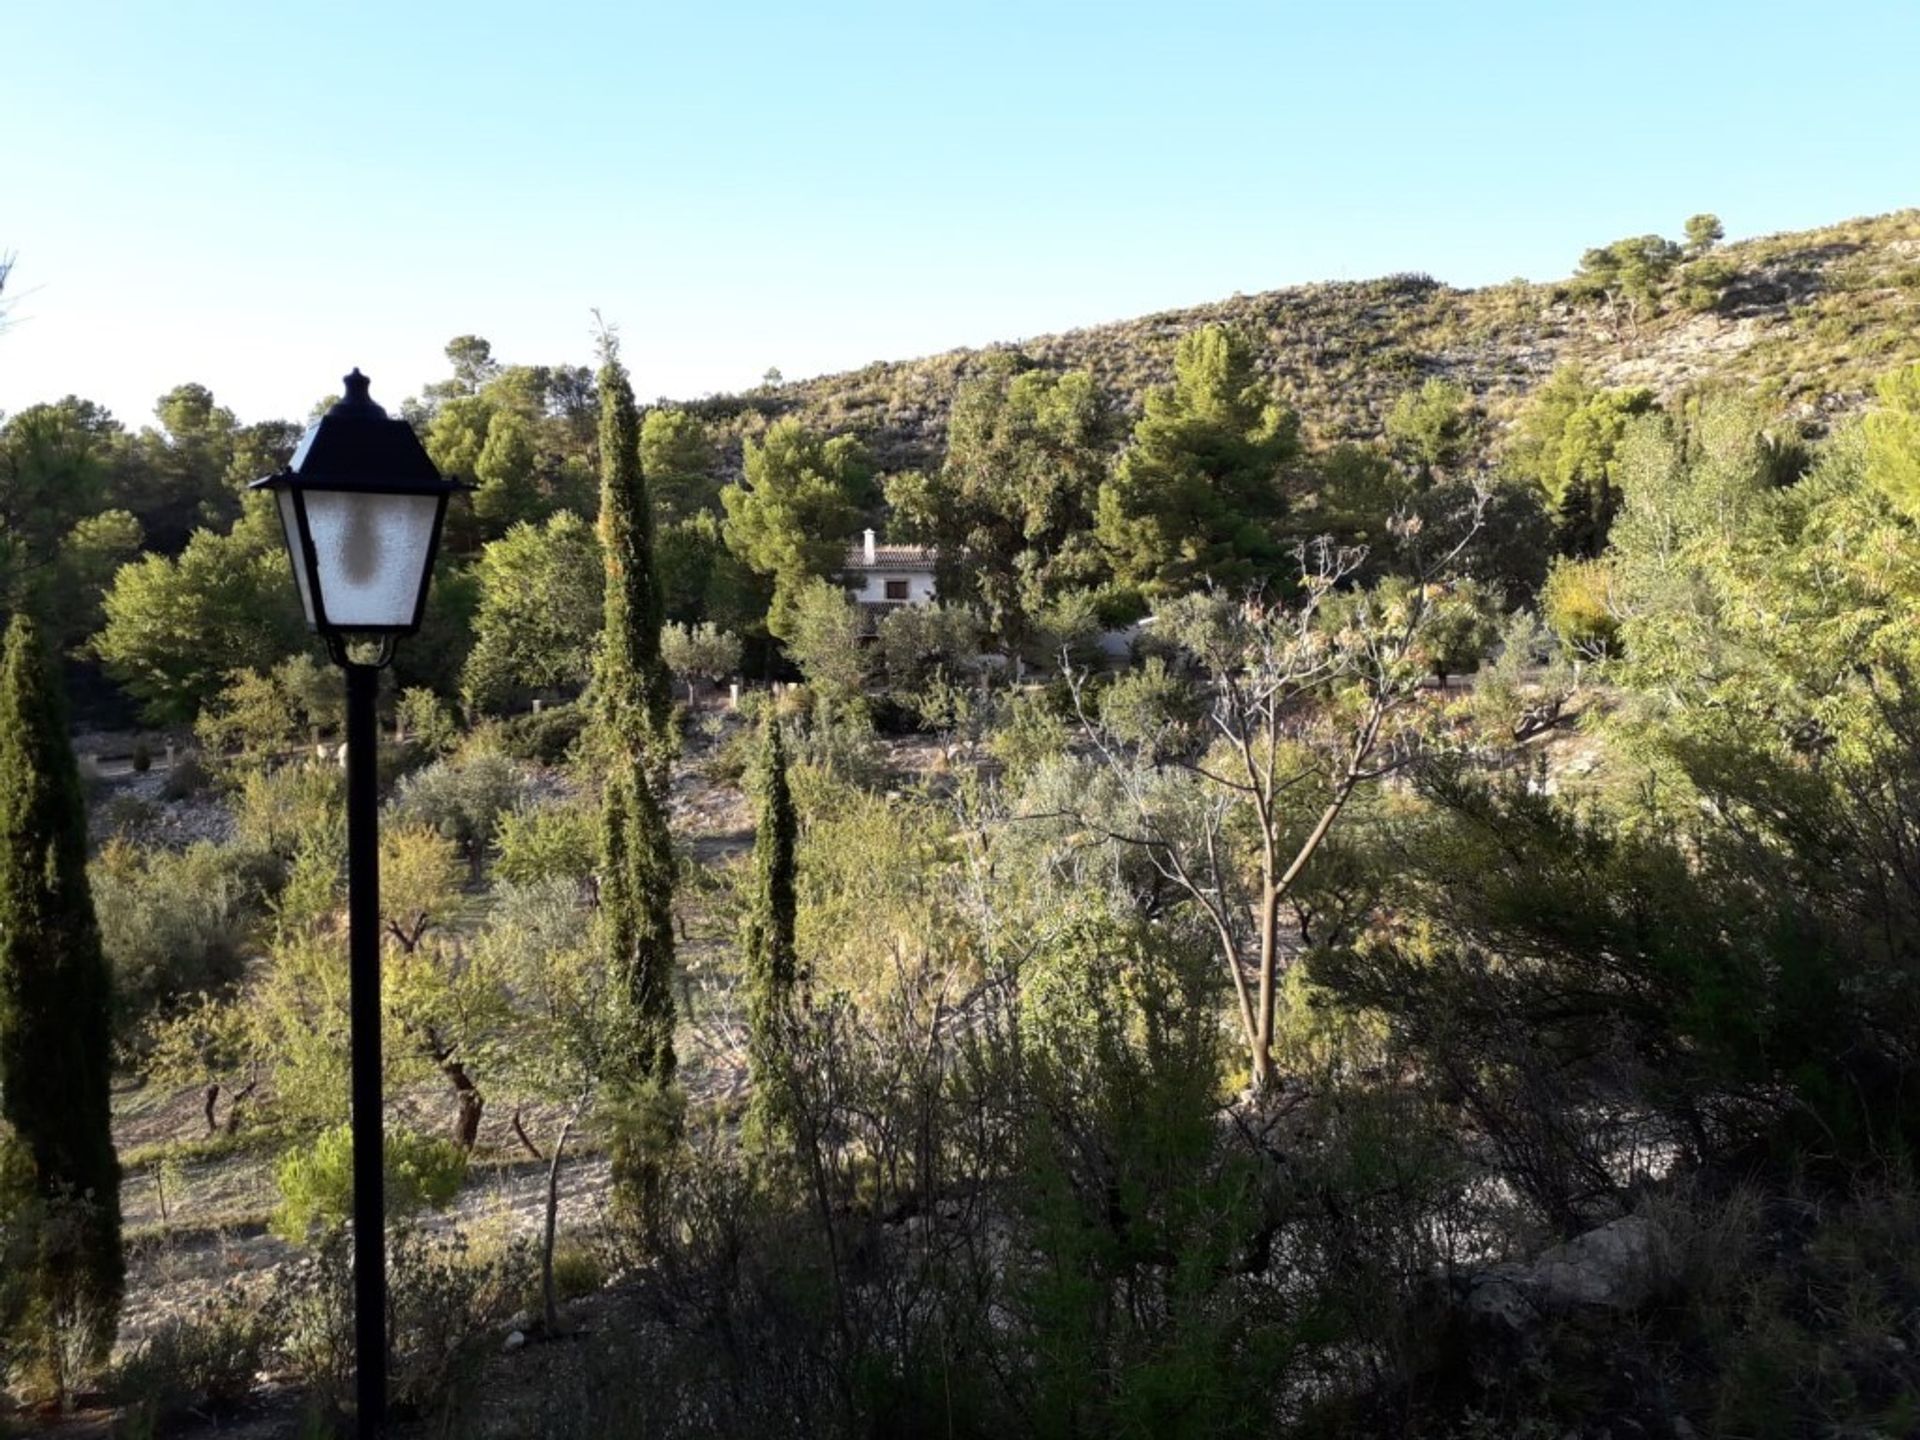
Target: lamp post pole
361, 506
363, 942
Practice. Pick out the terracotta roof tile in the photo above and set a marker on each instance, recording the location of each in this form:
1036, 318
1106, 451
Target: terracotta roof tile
892, 557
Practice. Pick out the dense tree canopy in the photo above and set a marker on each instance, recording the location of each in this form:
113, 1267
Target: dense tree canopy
1567, 441
1198, 495
537, 623
1012, 506
677, 457
175, 629
791, 516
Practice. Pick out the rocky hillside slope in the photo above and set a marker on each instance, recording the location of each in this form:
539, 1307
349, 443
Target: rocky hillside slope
1807, 318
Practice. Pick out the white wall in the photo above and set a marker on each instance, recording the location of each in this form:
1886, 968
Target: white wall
872, 585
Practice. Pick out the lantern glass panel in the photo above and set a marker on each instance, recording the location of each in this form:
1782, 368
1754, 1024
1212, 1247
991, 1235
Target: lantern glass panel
370, 555
290, 524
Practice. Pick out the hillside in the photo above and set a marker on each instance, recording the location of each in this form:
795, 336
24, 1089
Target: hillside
1807, 317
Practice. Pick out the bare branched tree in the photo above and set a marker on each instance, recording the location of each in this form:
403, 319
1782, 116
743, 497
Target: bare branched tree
1306, 704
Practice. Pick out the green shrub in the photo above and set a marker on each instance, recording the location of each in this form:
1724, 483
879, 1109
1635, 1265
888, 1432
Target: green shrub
1117, 606
203, 1361
542, 842
450, 1299
446, 1304
1032, 733
316, 1180
543, 736
577, 1270
142, 758
175, 924
423, 718
1153, 708
311, 1314
730, 760
463, 798
1576, 603
284, 810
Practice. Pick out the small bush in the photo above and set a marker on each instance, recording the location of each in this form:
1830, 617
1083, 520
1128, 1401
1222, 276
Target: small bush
422, 718
175, 924
545, 842
316, 1181
1577, 605
1117, 606
730, 760
577, 1271
464, 799
311, 1313
1032, 733
449, 1299
1154, 709
293, 807
187, 778
142, 758
446, 1301
543, 736
204, 1360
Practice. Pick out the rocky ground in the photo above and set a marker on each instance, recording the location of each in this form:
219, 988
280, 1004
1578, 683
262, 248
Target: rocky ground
197, 1222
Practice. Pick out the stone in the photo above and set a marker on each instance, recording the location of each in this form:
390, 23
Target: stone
515, 1339
1613, 1267
1497, 1301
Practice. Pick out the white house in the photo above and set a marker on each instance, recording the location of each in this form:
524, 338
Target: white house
881, 578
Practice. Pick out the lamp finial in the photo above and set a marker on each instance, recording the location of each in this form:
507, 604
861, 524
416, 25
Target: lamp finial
359, 396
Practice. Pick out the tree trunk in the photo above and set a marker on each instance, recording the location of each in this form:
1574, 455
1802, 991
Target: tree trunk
553, 1217
466, 1124
1269, 970
1274, 892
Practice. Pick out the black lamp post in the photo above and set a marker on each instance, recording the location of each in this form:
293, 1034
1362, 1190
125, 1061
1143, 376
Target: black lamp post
362, 507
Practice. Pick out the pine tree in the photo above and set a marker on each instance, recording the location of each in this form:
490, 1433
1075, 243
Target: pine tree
1198, 496
55, 997
767, 935
634, 702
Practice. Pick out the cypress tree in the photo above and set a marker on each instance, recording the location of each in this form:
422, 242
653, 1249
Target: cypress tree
634, 698
55, 997
636, 899
635, 689
767, 936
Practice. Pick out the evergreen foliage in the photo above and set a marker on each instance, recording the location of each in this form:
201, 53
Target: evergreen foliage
676, 456
636, 904
1567, 441
1011, 508
1893, 440
792, 515
534, 628
636, 883
55, 993
635, 693
767, 934
1198, 496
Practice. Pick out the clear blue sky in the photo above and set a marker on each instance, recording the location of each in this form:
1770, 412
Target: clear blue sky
258, 196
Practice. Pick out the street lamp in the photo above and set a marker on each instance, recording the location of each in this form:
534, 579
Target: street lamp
362, 506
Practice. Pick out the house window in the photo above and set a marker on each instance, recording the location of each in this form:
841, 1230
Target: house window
896, 589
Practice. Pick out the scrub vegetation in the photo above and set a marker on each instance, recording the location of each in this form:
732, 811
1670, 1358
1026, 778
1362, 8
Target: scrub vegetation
1377, 901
